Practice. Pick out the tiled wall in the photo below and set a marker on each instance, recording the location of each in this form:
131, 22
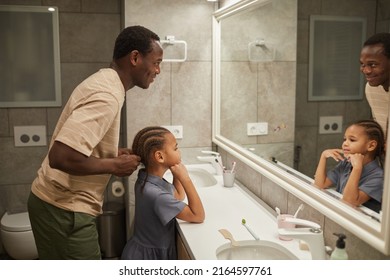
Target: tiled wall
181, 94
261, 90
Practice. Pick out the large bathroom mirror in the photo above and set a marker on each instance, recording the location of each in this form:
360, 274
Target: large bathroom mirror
254, 81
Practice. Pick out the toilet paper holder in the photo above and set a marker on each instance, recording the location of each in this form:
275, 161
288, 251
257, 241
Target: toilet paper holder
117, 188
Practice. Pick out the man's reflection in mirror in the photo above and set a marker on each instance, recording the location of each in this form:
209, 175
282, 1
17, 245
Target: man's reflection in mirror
375, 65
358, 175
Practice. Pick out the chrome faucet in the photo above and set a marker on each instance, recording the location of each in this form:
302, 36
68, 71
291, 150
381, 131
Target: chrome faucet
311, 233
215, 159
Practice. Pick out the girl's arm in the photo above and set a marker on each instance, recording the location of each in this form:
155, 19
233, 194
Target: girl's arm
351, 193
179, 191
194, 211
320, 178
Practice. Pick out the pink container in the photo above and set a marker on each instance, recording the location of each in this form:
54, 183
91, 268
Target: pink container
283, 224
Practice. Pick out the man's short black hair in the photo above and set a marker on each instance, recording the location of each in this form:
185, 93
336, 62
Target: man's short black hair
134, 38
380, 38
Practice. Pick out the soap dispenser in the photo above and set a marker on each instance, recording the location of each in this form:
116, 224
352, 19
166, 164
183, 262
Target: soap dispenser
339, 252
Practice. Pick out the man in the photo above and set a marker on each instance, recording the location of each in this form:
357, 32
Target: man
375, 65
67, 195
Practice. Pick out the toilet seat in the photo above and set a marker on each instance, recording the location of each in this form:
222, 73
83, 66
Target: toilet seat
16, 222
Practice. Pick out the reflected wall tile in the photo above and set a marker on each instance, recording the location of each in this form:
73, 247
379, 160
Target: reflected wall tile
101, 6
306, 139
280, 35
306, 112
308, 7
356, 110
332, 108
238, 101
303, 39
4, 124
329, 141
350, 8
284, 29
20, 2
189, 155
361, 8
276, 100
383, 26
383, 10
64, 5
191, 102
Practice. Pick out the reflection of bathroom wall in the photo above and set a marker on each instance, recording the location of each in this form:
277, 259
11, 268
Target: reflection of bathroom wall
308, 113
262, 91
283, 152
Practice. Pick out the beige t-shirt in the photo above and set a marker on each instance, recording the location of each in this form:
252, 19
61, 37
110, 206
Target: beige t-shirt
378, 99
90, 124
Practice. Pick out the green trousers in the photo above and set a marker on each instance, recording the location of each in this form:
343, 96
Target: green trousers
60, 234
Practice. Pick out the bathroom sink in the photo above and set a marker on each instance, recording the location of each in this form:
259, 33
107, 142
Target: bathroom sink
199, 176
254, 250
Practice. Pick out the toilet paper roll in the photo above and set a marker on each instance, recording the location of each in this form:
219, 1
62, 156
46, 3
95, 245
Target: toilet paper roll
117, 189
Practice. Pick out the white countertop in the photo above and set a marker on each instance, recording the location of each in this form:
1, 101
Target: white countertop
225, 208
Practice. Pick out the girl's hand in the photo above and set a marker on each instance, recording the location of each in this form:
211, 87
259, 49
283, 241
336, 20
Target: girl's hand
356, 160
179, 171
336, 154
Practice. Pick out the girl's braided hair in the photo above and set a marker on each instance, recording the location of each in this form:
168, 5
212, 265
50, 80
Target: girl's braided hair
374, 132
148, 140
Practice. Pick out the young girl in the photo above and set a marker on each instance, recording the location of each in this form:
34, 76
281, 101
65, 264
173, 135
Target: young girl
157, 202
359, 172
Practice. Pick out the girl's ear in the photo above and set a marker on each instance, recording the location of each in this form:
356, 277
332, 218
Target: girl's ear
158, 156
372, 145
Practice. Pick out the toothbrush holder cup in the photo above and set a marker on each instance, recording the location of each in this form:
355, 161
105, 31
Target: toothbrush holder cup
228, 178
283, 224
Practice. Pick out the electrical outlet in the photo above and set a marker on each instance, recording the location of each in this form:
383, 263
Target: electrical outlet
331, 125
260, 128
25, 136
177, 130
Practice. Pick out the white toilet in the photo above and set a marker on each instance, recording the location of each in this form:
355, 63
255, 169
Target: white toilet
17, 236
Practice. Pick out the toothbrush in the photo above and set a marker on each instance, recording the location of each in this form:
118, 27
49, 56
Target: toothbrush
277, 211
220, 164
233, 166
299, 209
249, 229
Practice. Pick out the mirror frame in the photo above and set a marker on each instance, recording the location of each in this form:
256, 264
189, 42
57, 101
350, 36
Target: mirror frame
372, 232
